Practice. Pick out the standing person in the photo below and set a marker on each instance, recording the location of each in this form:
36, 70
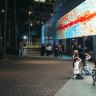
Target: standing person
47, 50
85, 70
94, 75
56, 50
75, 50
60, 49
43, 49
76, 71
24, 50
75, 47
21, 49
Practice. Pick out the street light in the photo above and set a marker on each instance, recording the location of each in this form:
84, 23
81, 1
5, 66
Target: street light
30, 25
2, 10
25, 39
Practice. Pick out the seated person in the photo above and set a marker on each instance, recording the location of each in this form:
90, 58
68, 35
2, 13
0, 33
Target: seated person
76, 71
85, 70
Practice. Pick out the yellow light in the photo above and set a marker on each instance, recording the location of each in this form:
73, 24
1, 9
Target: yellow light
51, 14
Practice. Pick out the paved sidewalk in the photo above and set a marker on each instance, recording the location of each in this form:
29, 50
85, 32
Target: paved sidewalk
33, 76
26, 75
78, 87
75, 87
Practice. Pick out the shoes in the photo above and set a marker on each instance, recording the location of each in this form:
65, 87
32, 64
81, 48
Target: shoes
74, 77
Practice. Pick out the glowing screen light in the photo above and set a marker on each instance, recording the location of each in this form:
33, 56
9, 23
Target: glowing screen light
81, 21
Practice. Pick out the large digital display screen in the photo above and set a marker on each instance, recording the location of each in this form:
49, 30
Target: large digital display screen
81, 21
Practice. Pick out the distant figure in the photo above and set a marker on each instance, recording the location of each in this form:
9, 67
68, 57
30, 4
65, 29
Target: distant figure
21, 49
24, 50
79, 48
76, 71
56, 50
75, 47
43, 49
60, 49
48, 49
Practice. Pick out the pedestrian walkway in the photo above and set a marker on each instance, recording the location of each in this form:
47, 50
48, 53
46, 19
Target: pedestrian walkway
75, 87
71, 88
78, 87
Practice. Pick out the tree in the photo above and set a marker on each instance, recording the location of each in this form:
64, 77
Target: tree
5, 29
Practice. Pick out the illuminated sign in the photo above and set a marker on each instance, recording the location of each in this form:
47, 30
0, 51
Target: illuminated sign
81, 21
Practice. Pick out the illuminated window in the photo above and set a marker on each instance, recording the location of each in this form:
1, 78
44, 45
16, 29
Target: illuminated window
40, 0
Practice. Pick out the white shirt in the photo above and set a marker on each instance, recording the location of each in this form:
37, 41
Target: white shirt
76, 67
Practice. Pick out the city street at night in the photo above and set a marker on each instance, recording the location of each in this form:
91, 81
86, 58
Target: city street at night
47, 47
